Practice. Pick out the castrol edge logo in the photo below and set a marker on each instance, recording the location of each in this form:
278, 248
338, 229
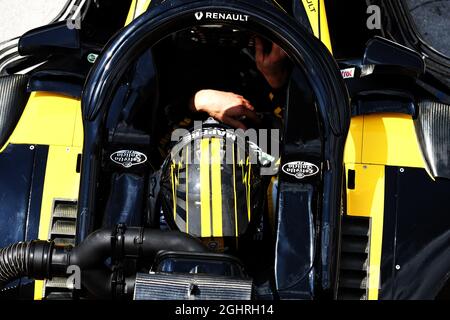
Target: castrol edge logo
128, 158
300, 169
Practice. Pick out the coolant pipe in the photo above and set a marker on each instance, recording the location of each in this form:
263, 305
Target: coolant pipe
43, 259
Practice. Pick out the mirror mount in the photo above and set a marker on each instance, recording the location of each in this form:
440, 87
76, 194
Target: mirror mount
56, 38
381, 52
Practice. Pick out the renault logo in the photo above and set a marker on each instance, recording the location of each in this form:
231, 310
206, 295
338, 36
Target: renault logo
221, 16
199, 15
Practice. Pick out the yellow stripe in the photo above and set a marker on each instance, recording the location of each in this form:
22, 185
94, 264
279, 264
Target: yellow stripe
271, 207
216, 188
234, 190
367, 200
187, 189
376, 235
248, 188
317, 16
137, 8
130, 15
205, 192
173, 191
38, 289
279, 5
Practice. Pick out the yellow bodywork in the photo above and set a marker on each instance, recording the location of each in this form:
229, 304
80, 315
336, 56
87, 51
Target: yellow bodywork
49, 119
376, 141
52, 120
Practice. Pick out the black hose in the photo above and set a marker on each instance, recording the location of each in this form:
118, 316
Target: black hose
43, 260
137, 243
134, 242
24, 259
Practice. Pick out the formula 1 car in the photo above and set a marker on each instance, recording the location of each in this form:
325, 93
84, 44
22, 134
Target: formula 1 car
359, 207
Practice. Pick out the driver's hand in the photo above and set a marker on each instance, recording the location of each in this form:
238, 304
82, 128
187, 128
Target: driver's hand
272, 64
226, 107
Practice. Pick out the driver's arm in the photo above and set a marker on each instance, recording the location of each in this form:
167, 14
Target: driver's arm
227, 107
231, 108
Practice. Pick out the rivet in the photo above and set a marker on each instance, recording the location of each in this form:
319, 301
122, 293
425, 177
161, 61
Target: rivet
397, 267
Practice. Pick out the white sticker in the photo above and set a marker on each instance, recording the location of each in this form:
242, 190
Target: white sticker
348, 73
300, 169
199, 15
128, 158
